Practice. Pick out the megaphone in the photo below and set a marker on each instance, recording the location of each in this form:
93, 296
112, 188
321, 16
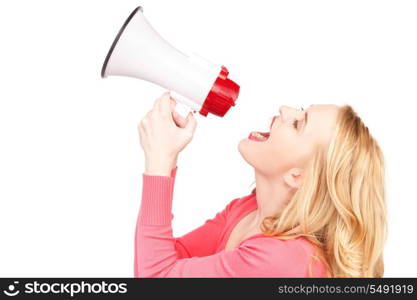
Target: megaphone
195, 83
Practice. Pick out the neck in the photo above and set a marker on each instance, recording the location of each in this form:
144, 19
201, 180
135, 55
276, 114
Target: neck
271, 195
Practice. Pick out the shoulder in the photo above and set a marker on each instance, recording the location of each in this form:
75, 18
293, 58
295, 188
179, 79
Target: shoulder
270, 245
239, 202
276, 257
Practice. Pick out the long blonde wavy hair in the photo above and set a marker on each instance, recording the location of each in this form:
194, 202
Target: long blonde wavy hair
340, 207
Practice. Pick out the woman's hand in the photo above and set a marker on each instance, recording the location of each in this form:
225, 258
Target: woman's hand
161, 139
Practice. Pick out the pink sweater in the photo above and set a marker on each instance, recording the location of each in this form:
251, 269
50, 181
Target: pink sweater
200, 253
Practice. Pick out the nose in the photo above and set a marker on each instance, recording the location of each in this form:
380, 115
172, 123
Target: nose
283, 109
287, 112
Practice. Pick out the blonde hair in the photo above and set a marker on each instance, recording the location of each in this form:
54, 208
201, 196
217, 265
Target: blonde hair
340, 207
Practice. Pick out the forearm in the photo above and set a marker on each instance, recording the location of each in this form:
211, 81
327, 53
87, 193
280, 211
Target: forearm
154, 217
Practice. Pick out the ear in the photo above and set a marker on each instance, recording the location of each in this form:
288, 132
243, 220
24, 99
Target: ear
293, 178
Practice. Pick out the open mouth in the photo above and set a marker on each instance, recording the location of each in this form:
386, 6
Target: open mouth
258, 136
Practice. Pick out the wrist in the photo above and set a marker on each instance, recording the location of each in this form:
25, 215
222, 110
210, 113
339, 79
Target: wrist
160, 166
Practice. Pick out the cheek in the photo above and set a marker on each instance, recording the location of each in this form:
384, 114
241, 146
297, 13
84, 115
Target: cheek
283, 140
281, 151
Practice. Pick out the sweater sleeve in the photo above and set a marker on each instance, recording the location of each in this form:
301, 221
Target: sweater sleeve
156, 250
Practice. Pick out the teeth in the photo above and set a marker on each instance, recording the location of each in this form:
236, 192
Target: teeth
258, 135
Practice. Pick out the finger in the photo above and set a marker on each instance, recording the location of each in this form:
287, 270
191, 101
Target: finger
148, 115
143, 124
157, 103
191, 124
179, 120
142, 131
172, 104
165, 104
175, 115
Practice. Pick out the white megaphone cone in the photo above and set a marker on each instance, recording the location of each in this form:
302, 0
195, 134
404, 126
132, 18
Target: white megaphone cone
139, 51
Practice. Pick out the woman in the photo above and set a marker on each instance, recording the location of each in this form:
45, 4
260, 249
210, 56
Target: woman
318, 209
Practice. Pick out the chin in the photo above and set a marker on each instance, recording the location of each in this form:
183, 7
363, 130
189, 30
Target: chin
243, 150
241, 147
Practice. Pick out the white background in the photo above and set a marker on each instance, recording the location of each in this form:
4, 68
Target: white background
70, 159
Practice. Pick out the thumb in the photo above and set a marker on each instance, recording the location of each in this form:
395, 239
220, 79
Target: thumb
178, 119
191, 125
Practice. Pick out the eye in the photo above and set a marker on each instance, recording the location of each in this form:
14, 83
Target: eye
295, 124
